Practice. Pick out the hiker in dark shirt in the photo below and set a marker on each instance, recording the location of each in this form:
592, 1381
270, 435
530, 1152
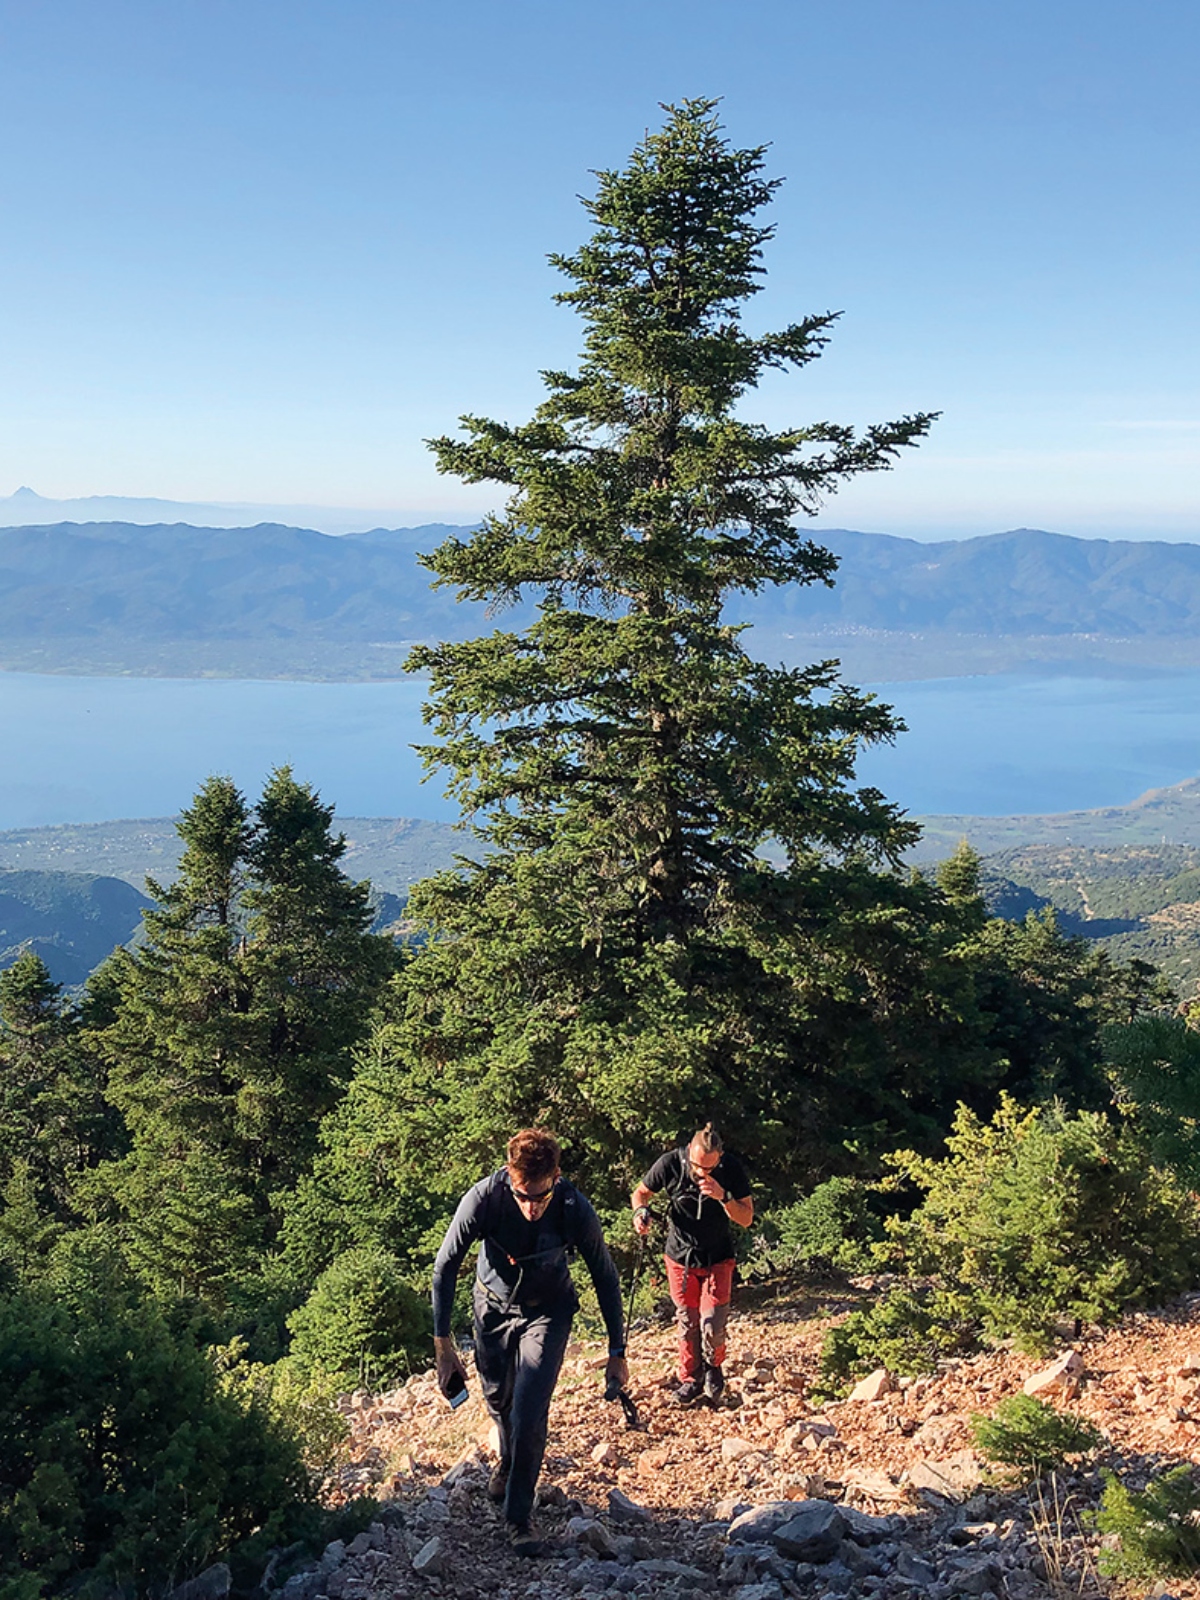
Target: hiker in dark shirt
707, 1189
528, 1220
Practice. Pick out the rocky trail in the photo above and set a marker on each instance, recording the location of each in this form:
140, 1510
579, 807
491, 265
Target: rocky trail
769, 1497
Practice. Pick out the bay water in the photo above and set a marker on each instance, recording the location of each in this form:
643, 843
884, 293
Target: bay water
96, 749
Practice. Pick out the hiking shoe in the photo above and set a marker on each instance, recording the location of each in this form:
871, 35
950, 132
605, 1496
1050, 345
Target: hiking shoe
498, 1483
714, 1383
689, 1391
522, 1540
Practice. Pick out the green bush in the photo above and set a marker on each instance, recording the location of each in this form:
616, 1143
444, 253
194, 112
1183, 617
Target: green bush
1158, 1530
1030, 1437
904, 1332
124, 1465
1039, 1216
363, 1323
305, 1408
1154, 1066
832, 1228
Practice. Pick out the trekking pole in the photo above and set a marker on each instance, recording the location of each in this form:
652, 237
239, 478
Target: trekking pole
613, 1391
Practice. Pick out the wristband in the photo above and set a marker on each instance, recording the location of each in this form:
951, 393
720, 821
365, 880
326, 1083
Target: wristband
643, 1214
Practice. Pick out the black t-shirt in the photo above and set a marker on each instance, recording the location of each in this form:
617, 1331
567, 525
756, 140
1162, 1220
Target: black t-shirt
698, 1230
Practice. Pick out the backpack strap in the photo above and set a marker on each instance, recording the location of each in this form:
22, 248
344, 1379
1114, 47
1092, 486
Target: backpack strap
569, 1217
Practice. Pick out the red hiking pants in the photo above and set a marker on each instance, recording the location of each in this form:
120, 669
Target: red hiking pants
701, 1296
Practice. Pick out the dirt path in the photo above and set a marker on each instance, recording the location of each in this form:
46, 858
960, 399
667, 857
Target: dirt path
894, 1479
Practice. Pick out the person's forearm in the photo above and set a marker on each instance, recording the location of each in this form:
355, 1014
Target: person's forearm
604, 1278
444, 1279
461, 1233
739, 1211
608, 1293
641, 1197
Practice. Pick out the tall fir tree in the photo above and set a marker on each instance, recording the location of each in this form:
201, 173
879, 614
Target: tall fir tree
315, 970
176, 1043
229, 1032
682, 904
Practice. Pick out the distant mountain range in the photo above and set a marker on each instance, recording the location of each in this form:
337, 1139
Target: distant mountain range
1023, 582
284, 601
26, 507
173, 581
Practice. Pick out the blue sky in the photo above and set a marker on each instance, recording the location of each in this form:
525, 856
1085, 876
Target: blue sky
257, 251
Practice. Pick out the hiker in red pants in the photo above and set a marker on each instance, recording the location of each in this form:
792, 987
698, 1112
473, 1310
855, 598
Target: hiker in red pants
707, 1189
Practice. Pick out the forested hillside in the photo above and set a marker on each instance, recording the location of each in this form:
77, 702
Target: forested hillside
71, 920
1139, 902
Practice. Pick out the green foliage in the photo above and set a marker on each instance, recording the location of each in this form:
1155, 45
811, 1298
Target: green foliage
1041, 996
124, 1464
54, 1122
313, 968
833, 1227
363, 1323
1030, 1437
905, 1332
1038, 1215
27, 1232
1154, 1064
390, 1167
1158, 1529
303, 1408
229, 1033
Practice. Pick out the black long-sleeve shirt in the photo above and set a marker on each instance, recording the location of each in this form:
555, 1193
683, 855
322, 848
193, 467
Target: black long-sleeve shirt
525, 1264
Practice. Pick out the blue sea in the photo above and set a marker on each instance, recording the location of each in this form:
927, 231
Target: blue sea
94, 749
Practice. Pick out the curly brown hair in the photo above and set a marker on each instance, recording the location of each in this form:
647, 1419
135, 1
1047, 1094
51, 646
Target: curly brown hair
533, 1154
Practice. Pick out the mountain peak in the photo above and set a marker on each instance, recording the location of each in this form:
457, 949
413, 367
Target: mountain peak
26, 493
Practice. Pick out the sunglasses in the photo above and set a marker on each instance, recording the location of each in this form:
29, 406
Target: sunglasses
531, 1199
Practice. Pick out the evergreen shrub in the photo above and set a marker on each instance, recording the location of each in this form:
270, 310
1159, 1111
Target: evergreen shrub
124, 1467
305, 1408
1030, 1219
1039, 1216
363, 1322
830, 1229
905, 1332
1030, 1437
1158, 1530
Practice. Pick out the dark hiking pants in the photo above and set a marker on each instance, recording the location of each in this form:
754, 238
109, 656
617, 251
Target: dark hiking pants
518, 1354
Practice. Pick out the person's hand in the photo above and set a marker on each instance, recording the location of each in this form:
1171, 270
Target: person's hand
616, 1374
710, 1188
642, 1221
446, 1359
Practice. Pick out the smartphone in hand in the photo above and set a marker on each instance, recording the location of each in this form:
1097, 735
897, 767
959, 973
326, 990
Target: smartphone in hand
456, 1389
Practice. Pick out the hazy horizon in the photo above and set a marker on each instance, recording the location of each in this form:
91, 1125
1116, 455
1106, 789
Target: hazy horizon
26, 507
